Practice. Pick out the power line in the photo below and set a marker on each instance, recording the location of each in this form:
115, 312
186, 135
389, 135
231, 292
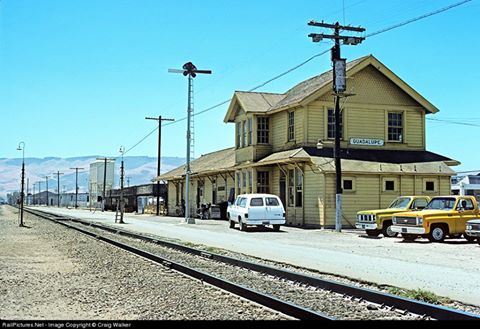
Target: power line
418, 18
305, 62
455, 122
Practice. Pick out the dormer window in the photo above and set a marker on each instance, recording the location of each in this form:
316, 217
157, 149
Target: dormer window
262, 130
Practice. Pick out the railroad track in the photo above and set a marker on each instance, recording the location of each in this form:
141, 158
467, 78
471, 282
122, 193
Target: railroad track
384, 301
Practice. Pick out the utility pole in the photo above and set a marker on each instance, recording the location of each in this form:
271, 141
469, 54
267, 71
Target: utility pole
33, 195
39, 201
104, 180
76, 185
339, 88
58, 173
22, 148
27, 190
122, 173
159, 119
190, 70
46, 182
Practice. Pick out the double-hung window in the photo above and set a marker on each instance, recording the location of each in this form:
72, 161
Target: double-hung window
395, 126
262, 130
331, 124
291, 126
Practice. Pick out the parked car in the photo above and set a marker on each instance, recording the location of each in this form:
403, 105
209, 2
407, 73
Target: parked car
256, 209
473, 229
443, 216
379, 221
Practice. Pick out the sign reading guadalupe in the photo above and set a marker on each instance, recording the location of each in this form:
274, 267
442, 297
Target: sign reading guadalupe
366, 141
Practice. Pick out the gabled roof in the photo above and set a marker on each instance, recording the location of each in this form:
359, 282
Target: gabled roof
297, 94
251, 102
210, 163
308, 90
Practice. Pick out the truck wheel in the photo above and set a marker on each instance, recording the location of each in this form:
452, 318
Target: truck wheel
437, 234
469, 238
409, 237
276, 227
372, 233
243, 227
387, 230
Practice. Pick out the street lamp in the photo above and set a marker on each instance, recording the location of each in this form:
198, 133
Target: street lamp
22, 148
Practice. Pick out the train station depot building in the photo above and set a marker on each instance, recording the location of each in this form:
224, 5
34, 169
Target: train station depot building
284, 146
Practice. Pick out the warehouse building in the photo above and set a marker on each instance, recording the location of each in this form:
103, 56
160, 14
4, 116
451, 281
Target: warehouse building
284, 145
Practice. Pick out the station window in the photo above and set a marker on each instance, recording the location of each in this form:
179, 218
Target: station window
291, 126
429, 186
331, 124
249, 131
291, 188
348, 184
263, 184
389, 185
262, 130
299, 188
238, 131
395, 127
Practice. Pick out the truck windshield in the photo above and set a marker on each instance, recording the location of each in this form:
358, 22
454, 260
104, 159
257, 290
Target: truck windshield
400, 203
441, 203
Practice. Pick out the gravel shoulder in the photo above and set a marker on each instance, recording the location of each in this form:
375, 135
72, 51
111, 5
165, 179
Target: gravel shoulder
50, 273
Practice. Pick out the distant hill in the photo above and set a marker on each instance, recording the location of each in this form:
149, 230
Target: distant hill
138, 169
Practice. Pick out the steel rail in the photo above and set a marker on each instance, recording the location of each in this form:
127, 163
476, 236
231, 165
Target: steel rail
393, 301
271, 302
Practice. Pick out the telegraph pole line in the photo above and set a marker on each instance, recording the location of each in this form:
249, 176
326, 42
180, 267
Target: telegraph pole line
76, 185
159, 119
58, 173
46, 182
339, 88
190, 70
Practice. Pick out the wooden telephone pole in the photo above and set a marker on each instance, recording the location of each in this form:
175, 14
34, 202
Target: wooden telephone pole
339, 88
159, 119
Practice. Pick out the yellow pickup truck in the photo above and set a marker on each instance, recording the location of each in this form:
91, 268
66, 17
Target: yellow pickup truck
443, 216
379, 221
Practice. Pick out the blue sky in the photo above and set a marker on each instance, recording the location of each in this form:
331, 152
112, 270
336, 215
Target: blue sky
78, 77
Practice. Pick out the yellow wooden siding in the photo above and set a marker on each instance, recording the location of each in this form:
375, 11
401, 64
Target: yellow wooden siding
278, 131
369, 194
365, 123
313, 198
315, 123
299, 113
414, 133
244, 154
372, 87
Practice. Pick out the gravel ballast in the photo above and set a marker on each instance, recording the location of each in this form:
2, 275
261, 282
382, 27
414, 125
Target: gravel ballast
52, 273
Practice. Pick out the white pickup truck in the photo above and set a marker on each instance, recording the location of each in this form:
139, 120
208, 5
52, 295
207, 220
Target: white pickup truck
256, 209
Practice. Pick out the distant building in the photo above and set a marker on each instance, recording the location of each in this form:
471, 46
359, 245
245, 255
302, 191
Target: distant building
96, 182
136, 198
466, 185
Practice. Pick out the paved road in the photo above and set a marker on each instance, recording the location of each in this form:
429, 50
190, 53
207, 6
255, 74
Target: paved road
449, 269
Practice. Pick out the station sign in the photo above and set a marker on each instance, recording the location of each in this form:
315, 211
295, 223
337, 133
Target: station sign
367, 141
